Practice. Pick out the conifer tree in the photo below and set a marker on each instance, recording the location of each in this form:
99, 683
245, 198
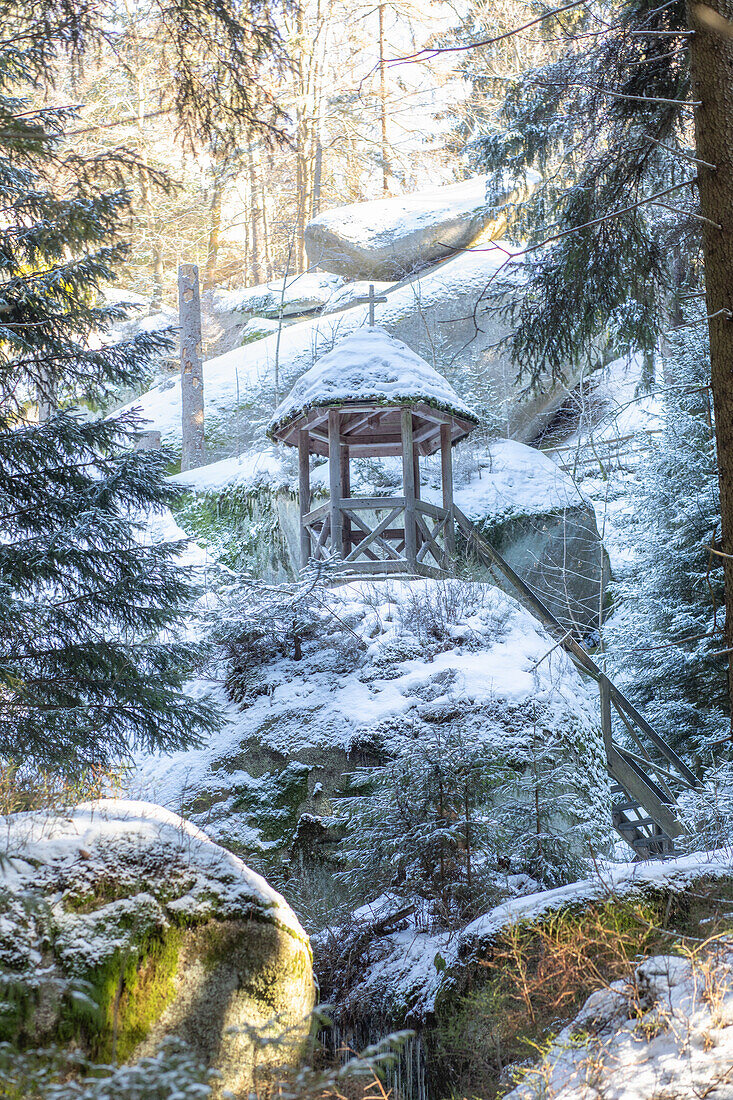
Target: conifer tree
89, 667
666, 639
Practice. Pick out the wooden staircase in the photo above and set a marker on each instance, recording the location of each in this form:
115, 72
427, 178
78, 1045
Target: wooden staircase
647, 774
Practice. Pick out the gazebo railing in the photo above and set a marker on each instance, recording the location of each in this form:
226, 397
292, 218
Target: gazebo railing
373, 533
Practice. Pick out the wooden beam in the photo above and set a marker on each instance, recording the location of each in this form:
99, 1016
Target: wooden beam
375, 536
446, 476
345, 493
408, 479
304, 495
334, 481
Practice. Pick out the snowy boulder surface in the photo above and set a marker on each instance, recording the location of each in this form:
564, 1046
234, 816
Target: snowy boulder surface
666, 1033
288, 297
439, 315
390, 238
121, 924
536, 517
379, 662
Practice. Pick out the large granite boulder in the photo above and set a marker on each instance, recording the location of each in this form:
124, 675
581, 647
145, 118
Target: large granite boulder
378, 663
121, 924
291, 297
391, 238
536, 517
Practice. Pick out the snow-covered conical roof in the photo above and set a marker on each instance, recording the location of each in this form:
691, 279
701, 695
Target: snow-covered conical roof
370, 367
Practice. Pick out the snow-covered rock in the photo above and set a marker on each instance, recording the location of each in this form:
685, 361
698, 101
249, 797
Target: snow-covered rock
536, 517
439, 315
121, 923
666, 1032
379, 662
288, 297
390, 238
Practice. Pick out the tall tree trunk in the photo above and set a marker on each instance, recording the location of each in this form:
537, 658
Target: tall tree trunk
711, 64
254, 214
147, 203
214, 233
265, 230
383, 103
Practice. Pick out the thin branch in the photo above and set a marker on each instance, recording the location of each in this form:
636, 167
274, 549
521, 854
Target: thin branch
679, 153
618, 95
428, 53
689, 214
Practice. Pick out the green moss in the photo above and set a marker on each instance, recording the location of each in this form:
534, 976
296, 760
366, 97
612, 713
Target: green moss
519, 989
239, 524
127, 995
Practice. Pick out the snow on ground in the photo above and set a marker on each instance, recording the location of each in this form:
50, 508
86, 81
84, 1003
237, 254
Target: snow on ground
666, 1034
365, 670
293, 295
229, 377
411, 964
370, 366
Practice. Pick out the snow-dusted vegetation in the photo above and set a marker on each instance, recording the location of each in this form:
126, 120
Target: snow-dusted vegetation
366, 551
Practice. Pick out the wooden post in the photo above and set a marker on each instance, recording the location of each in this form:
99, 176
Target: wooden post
604, 688
304, 495
446, 476
192, 379
408, 480
345, 494
334, 478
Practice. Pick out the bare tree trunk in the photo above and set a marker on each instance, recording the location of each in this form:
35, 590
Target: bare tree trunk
147, 203
214, 233
265, 231
711, 65
383, 104
254, 214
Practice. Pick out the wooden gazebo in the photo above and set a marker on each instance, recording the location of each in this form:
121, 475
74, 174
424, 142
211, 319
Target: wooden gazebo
372, 396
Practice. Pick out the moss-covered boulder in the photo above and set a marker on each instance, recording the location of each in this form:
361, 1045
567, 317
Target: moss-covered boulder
121, 924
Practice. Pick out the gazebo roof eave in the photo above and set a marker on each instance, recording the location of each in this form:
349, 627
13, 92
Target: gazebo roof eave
314, 415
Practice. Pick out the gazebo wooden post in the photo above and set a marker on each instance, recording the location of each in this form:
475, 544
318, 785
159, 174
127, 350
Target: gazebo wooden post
334, 479
408, 479
446, 476
304, 494
416, 477
345, 494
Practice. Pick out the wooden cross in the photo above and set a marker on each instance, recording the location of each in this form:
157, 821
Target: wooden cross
373, 299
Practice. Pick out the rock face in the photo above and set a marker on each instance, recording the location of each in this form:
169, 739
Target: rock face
378, 662
300, 294
391, 238
440, 315
163, 932
535, 516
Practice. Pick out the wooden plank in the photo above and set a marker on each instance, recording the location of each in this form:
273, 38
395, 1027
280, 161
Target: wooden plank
375, 533
623, 771
317, 513
320, 544
367, 531
670, 755
431, 510
373, 503
446, 477
408, 479
606, 719
304, 495
429, 545
334, 481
